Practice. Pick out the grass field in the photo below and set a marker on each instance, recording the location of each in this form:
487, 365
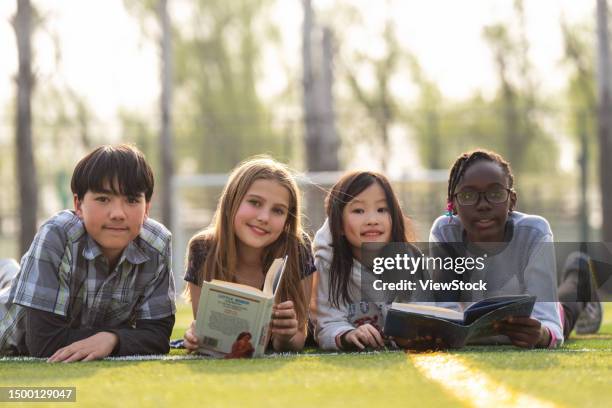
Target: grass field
578, 374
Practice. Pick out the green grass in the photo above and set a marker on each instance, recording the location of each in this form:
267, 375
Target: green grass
579, 374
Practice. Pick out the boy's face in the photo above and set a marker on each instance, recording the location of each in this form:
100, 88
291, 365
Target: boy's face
113, 221
484, 221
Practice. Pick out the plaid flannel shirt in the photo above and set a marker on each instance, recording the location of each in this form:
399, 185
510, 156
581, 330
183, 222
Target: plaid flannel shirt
64, 272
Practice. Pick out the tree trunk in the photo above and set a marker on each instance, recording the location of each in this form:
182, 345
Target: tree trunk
328, 154
26, 168
604, 119
583, 162
166, 145
321, 139
309, 91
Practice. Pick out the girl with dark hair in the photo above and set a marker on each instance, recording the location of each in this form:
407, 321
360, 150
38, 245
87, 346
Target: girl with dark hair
361, 208
481, 215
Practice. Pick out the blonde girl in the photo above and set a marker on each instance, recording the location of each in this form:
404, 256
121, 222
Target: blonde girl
257, 220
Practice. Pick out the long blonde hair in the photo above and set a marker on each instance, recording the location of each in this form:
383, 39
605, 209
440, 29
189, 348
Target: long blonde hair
220, 238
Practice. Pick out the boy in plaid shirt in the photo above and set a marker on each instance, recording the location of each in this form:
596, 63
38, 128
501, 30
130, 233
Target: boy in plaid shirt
96, 281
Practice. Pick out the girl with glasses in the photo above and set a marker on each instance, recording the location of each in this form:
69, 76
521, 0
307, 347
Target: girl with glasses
520, 256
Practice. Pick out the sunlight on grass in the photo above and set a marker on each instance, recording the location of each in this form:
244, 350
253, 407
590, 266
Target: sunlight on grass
578, 374
567, 377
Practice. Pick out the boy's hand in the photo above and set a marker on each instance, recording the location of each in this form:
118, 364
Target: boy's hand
94, 347
191, 341
524, 331
364, 336
284, 324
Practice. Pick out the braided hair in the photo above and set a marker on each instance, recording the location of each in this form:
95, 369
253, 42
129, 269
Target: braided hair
465, 160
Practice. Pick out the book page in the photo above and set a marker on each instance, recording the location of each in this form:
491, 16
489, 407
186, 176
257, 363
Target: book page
274, 275
428, 310
240, 287
481, 308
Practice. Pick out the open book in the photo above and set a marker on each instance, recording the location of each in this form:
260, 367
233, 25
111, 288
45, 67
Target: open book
411, 321
233, 320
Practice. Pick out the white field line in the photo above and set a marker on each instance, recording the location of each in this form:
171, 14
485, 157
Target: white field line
469, 385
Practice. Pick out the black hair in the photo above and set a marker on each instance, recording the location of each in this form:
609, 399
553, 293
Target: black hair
121, 167
465, 160
346, 189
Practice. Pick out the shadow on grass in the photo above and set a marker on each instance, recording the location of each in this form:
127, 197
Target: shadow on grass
275, 361
38, 372
213, 366
385, 359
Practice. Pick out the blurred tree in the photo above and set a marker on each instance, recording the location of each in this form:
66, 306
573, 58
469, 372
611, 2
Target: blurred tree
425, 117
137, 129
579, 58
218, 54
524, 139
580, 91
378, 102
509, 123
63, 118
155, 21
26, 167
604, 118
321, 139
219, 117
166, 138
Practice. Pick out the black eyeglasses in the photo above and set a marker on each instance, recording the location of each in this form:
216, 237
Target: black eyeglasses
496, 196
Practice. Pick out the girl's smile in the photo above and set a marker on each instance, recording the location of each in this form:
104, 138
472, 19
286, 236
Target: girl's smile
366, 218
258, 230
262, 214
372, 233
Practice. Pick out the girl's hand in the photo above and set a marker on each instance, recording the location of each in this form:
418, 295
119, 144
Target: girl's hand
364, 336
524, 331
191, 341
284, 322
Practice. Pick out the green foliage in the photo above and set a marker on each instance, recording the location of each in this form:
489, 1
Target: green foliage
378, 102
220, 118
511, 122
425, 118
517, 105
445, 129
579, 58
137, 130
65, 129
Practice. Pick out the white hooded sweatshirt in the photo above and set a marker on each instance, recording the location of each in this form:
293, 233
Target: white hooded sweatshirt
330, 321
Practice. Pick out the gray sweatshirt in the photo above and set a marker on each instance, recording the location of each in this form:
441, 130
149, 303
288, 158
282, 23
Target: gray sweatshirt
331, 321
529, 255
